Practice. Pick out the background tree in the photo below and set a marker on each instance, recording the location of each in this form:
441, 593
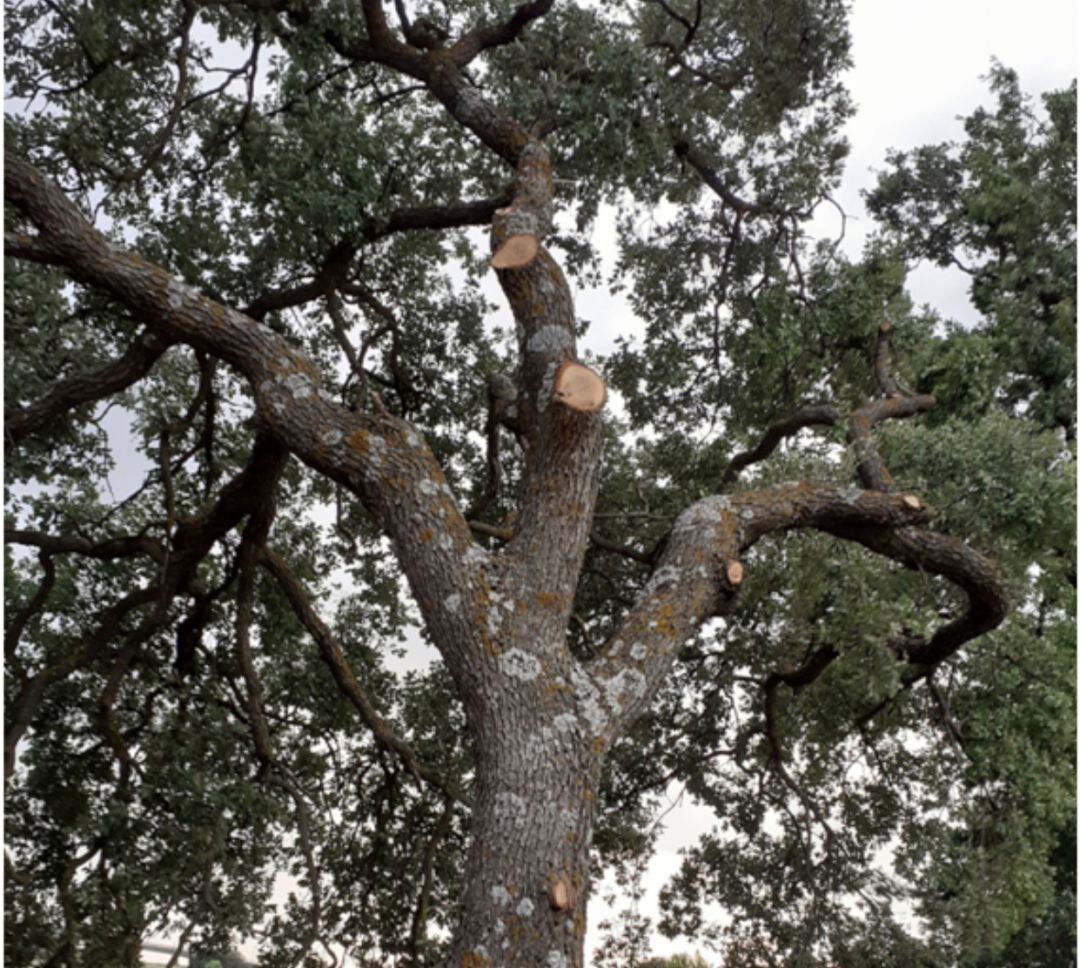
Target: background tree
197, 687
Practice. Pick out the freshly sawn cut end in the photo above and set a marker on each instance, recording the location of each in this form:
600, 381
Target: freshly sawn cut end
734, 573
579, 388
561, 894
516, 252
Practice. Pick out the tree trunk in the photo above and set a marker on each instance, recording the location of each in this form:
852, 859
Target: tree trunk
527, 873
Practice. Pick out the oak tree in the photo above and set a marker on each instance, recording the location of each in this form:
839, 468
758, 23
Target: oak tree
243, 227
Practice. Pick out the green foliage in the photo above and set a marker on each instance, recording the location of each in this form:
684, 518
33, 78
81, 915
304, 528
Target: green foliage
1001, 206
936, 833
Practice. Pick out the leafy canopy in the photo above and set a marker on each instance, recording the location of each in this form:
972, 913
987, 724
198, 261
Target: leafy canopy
235, 145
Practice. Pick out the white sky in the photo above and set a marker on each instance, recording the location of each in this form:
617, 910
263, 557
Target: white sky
917, 69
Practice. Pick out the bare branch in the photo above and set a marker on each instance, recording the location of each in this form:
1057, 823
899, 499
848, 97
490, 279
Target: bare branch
814, 416
497, 35
332, 654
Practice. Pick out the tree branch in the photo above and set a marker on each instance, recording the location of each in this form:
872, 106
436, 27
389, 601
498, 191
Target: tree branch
332, 654
695, 579
497, 35
145, 350
814, 416
362, 452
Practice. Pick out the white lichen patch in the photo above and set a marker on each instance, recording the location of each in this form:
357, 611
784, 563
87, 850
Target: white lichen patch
500, 895
377, 448
299, 385
525, 908
707, 511
627, 684
637, 651
453, 604
331, 438
428, 487
549, 339
556, 959
587, 696
176, 293
547, 387
665, 575
519, 665
538, 745
565, 722
510, 808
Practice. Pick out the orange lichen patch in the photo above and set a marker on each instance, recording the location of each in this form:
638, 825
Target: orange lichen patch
426, 535
472, 960
359, 441
598, 744
659, 619
516, 252
548, 599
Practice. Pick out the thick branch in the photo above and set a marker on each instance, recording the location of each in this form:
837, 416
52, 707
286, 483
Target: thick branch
563, 443
379, 458
693, 580
497, 35
107, 550
140, 356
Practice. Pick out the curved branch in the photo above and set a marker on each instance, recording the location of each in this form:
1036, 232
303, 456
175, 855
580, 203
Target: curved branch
497, 35
871, 469
696, 579
380, 458
813, 416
